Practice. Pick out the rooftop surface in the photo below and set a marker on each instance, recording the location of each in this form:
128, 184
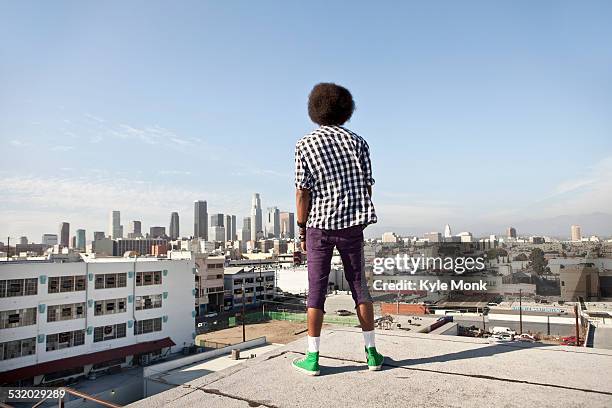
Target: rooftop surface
420, 370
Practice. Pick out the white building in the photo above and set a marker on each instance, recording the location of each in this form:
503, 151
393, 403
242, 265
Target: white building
66, 319
258, 285
390, 237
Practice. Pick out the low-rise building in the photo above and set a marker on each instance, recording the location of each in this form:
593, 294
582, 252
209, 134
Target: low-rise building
62, 319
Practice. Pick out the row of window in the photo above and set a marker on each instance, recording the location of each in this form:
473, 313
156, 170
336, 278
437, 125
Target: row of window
68, 311
74, 283
110, 306
111, 280
18, 287
70, 283
58, 341
148, 326
17, 318
17, 348
148, 302
109, 332
148, 278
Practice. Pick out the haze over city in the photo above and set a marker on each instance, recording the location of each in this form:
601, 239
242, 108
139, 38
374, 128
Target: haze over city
477, 115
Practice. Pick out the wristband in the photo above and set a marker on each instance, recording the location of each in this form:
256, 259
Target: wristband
301, 224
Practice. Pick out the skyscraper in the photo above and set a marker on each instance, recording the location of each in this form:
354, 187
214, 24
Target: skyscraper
246, 229
49, 239
447, 231
230, 227
114, 225
80, 239
287, 225
256, 217
217, 220
511, 232
272, 222
98, 235
23, 241
157, 232
135, 229
174, 225
64, 234
200, 220
576, 233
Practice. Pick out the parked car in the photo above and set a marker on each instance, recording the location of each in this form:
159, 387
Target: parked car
501, 338
343, 312
212, 314
502, 329
526, 338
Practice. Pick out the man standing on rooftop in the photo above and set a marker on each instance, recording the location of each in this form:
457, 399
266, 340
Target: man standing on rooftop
333, 180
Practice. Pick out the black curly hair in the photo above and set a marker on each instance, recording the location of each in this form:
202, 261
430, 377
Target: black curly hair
330, 104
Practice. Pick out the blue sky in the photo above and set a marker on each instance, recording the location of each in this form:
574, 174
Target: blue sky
478, 114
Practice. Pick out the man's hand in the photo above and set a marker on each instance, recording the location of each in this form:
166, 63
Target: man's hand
303, 238
303, 245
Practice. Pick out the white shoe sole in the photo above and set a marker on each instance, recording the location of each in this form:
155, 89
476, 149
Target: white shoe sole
377, 368
307, 372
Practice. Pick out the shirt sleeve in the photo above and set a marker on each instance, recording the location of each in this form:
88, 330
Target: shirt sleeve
366, 164
303, 177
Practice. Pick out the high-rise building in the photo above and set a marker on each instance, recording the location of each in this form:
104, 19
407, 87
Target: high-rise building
246, 229
216, 233
64, 234
73, 242
447, 231
576, 233
80, 239
200, 220
135, 229
157, 232
114, 225
98, 235
217, 220
287, 225
511, 232
174, 225
23, 240
49, 239
272, 223
256, 217
230, 227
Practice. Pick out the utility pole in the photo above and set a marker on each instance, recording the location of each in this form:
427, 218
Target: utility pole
577, 327
520, 311
243, 312
8, 247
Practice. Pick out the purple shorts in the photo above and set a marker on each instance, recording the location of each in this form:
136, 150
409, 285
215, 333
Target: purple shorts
320, 245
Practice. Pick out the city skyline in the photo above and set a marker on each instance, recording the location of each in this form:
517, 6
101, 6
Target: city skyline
515, 98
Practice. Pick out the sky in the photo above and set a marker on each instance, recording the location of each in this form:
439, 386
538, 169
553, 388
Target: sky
478, 114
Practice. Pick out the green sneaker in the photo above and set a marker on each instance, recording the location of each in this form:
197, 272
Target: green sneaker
375, 359
308, 365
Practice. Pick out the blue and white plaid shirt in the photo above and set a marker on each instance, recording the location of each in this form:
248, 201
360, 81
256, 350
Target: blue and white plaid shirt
334, 164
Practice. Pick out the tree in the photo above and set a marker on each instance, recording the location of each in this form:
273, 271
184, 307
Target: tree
537, 261
521, 257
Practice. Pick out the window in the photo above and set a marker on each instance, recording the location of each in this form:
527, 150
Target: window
17, 318
57, 341
110, 280
31, 286
2, 288
15, 288
67, 284
17, 348
109, 332
148, 326
148, 278
79, 283
99, 281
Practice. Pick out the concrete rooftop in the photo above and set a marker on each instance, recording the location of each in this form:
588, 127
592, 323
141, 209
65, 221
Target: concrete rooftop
420, 371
